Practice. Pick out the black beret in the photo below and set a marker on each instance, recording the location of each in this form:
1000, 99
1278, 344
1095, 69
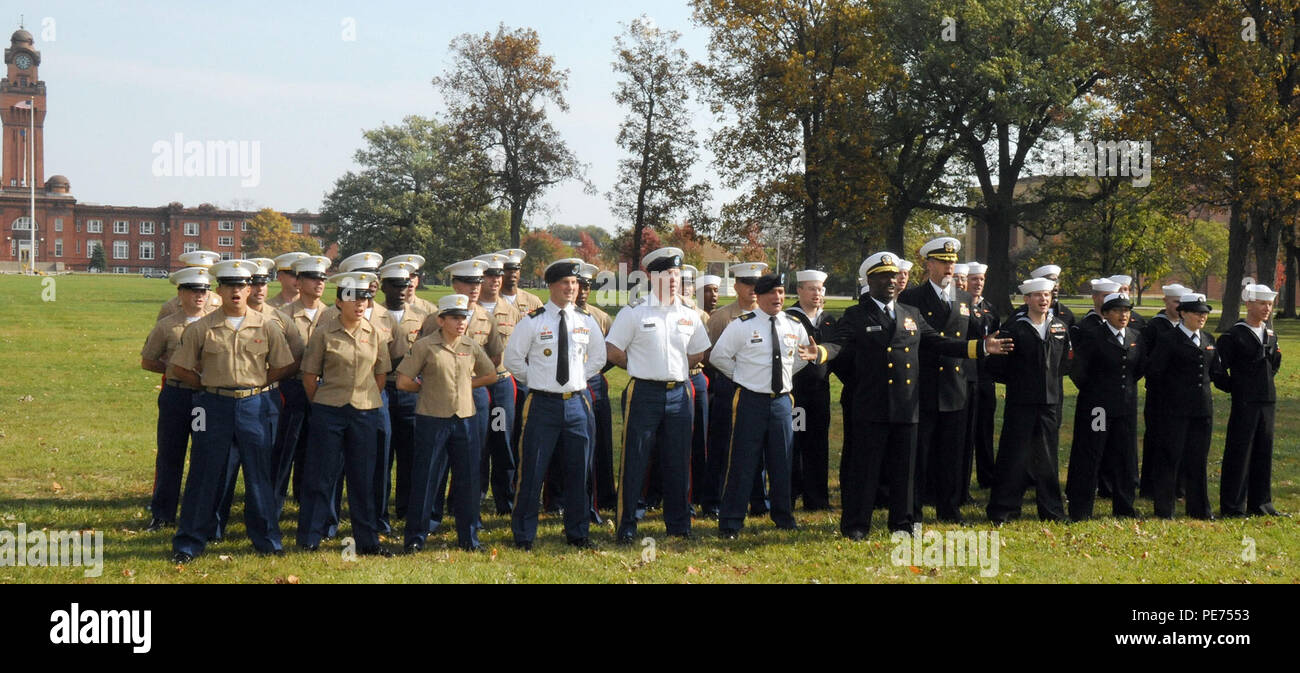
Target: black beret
769, 282
560, 270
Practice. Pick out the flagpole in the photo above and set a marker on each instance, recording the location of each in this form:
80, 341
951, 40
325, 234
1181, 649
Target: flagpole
32, 183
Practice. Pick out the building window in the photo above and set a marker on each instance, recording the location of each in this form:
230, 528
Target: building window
225, 225
58, 224
121, 249
22, 224
78, 247
296, 227
58, 247
243, 226
146, 227
121, 227
226, 256
120, 269
94, 226
226, 241
191, 247
146, 249
191, 228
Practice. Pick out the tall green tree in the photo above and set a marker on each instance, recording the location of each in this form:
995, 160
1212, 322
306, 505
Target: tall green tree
654, 183
416, 191
497, 92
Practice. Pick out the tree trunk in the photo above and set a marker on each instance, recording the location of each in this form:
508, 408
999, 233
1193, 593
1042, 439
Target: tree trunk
1238, 246
898, 229
516, 224
1266, 236
1292, 252
999, 224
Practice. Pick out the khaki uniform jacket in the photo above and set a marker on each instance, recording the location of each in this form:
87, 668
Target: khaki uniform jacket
165, 338
446, 371
404, 334
506, 317
526, 302
481, 329
347, 362
229, 358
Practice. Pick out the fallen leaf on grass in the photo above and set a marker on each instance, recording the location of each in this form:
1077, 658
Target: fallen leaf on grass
1146, 554
56, 486
692, 570
127, 572
292, 579
915, 570
493, 555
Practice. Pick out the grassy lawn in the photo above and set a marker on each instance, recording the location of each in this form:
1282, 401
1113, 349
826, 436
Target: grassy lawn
77, 421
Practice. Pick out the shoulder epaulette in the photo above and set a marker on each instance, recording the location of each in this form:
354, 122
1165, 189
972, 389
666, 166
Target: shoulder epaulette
747, 316
537, 312
580, 309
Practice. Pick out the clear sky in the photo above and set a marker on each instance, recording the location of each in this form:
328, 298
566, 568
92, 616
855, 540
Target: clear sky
123, 76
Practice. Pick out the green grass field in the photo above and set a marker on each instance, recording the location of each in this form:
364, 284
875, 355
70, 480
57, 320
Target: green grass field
77, 421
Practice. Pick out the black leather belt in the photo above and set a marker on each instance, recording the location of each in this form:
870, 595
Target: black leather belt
177, 383
666, 385
558, 396
767, 395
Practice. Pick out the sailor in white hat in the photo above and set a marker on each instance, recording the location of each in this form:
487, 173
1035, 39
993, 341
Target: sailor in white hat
175, 397
1249, 358
233, 355
1051, 272
809, 471
902, 280
1181, 362
708, 287
288, 280
959, 273
744, 276
1031, 420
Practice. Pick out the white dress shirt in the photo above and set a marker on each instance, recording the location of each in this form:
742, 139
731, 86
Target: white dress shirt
942, 292
887, 309
1118, 334
744, 351
658, 338
1194, 336
532, 352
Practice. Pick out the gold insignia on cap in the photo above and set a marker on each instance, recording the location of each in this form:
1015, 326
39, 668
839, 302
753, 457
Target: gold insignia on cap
887, 259
947, 246
460, 301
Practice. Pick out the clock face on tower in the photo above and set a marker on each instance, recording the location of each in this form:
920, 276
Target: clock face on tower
23, 61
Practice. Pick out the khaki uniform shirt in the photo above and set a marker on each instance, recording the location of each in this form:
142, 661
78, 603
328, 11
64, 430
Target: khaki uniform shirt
525, 301
506, 317
229, 358
721, 317
296, 342
296, 315
173, 305
404, 334
278, 301
447, 371
481, 328
602, 318
165, 337
347, 362
423, 305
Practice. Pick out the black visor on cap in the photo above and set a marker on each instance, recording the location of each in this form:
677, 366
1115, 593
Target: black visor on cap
512, 266
472, 280
355, 293
664, 263
769, 282
233, 280
399, 282
203, 287
315, 275
493, 271
1195, 307
455, 311
1119, 302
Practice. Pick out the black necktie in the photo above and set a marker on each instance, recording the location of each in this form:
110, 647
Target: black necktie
778, 381
562, 367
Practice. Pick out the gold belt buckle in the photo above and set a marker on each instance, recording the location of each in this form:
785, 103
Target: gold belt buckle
670, 385
566, 396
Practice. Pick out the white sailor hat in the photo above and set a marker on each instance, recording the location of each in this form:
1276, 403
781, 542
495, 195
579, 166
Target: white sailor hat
1248, 280
514, 257
944, 249
1175, 290
467, 271
356, 282
748, 272
1037, 285
1194, 302
1115, 300
312, 266
878, 263
204, 258
191, 278
1122, 279
496, 263
663, 259
362, 261
416, 261
810, 274
285, 262
1045, 270
1254, 292
976, 269
588, 271
454, 304
563, 268
232, 272
689, 272
960, 269
1103, 286
708, 279
398, 272
265, 268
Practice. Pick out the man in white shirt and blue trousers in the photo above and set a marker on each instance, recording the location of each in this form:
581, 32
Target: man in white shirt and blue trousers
761, 351
554, 351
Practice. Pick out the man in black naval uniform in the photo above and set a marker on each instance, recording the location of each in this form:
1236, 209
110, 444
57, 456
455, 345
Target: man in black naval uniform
941, 435
886, 339
1031, 419
812, 393
1107, 366
1181, 362
1248, 360
1051, 272
1154, 407
981, 394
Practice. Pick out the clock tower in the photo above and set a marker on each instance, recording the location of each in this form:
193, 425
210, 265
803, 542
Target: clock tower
22, 95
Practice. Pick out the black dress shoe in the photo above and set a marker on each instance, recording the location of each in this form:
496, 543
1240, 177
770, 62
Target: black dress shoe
414, 547
310, 547
472, 547
728, 534
1269, 510
711, 513
625, 539
857, 535
581, 543
377, 550
181, 558
524, 546
158, 524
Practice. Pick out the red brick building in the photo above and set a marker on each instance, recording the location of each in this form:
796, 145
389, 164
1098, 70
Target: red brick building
67, 232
